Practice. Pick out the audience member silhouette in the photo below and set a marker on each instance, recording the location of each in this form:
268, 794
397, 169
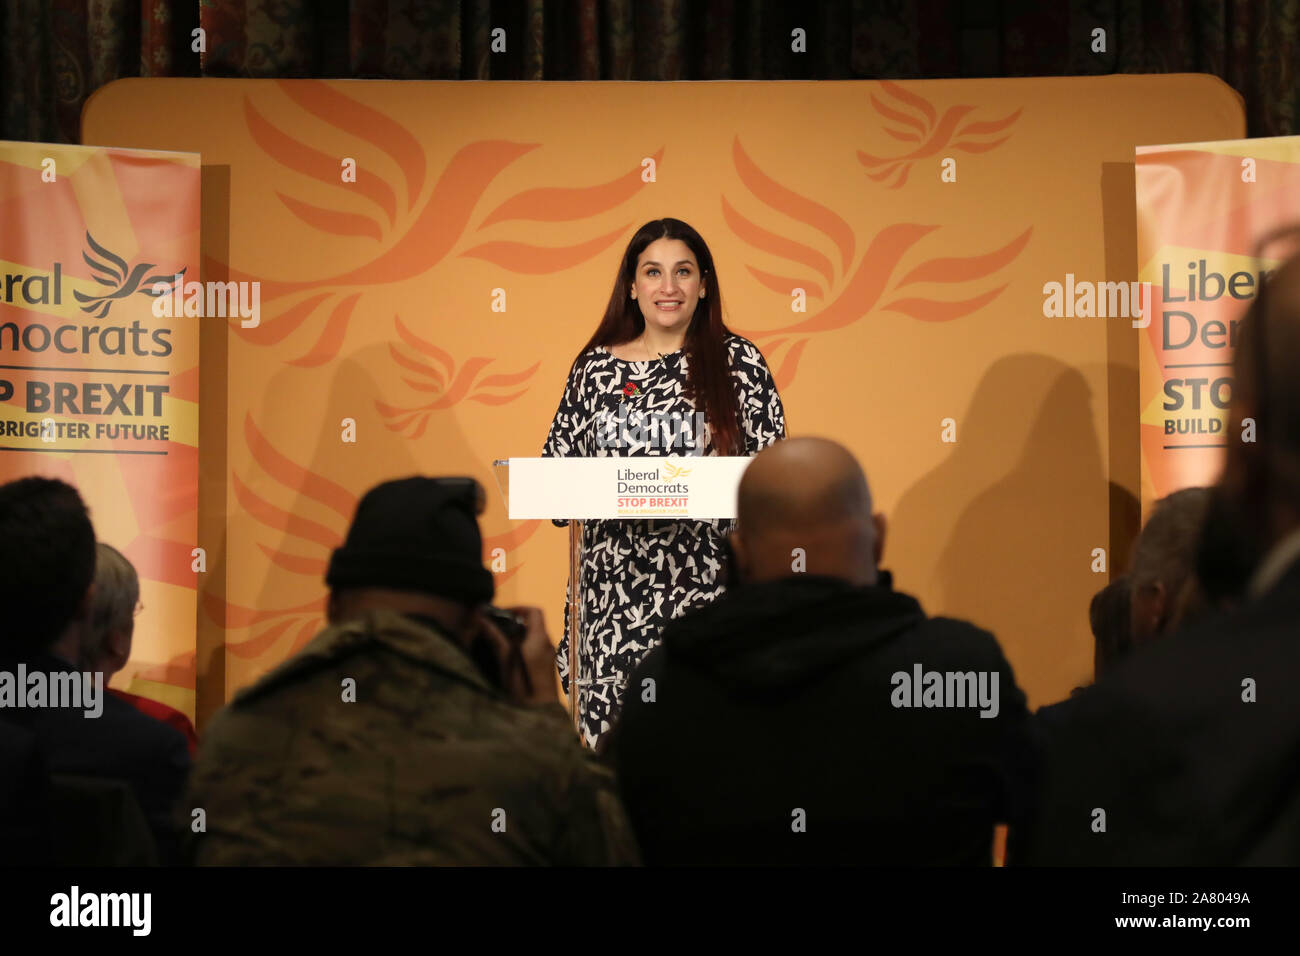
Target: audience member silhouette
47, 567
1164, 558
812, 714
411, 730
112, 627
1186, 753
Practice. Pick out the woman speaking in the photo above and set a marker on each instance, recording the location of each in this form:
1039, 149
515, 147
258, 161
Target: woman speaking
661, 375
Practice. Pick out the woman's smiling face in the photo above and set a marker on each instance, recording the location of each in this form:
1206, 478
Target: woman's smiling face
668, 284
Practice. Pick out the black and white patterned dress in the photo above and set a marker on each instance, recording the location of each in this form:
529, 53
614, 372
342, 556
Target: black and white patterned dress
639, 573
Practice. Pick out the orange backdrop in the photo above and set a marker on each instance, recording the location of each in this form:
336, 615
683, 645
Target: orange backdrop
924, 303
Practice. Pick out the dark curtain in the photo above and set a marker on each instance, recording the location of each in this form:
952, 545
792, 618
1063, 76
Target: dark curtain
56, 53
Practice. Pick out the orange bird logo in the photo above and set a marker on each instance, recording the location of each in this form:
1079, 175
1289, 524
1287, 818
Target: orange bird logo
403, 222
917, 122
849, 293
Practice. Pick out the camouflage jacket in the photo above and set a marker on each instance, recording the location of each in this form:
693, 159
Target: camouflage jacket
431, 765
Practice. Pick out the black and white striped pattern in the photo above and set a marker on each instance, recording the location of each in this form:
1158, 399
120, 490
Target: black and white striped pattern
638, 574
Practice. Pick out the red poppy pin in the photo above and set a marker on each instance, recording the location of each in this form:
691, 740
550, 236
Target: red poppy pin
630, 390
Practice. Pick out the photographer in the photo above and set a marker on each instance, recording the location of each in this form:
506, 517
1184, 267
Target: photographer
414, 729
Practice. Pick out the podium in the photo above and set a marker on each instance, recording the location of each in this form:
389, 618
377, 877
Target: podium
577, 490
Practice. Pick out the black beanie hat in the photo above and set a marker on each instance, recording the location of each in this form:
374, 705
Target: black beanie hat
415, 534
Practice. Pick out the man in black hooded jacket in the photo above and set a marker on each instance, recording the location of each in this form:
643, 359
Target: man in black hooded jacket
812, 714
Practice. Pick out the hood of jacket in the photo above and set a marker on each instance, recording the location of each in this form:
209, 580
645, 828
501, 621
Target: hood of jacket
773, 636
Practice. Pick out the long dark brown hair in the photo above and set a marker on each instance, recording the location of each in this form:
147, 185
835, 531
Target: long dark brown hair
708, 377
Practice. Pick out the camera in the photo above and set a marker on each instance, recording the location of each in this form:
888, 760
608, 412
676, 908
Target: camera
507, 622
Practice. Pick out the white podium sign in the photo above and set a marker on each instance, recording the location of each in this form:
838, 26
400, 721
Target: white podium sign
689, 486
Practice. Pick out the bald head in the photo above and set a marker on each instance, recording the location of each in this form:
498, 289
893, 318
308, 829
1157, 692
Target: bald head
808, 494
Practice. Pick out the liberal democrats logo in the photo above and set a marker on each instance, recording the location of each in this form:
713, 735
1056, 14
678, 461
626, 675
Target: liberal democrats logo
653, 492
111, 270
